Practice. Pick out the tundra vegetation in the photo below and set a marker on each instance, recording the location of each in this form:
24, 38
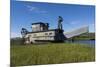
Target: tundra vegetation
49, 53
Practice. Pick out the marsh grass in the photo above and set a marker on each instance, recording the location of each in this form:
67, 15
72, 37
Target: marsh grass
50, 53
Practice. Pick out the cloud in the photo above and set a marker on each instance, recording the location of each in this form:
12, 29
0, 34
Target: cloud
74, 22
93, 24
79, 23
31, 8
92, 27
35, 9
13, 35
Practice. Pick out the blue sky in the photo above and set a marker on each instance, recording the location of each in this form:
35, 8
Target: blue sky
75, 16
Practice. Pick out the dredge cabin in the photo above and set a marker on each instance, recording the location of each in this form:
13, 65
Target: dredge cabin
42, 33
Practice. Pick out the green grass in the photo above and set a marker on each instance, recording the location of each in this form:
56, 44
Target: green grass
52, 53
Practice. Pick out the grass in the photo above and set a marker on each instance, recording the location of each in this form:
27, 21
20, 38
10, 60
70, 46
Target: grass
51, 53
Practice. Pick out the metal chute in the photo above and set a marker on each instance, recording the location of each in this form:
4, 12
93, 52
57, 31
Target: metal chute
76, 32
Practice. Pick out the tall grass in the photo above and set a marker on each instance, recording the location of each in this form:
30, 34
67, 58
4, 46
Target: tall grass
51, 53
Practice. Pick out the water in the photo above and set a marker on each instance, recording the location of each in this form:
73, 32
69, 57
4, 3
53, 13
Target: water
90, 43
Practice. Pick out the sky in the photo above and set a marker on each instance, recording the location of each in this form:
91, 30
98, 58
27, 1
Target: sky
23, 14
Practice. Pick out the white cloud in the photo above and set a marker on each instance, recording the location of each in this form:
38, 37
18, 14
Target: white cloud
92, 27
13, 34
31, 8
74, 22
93, 24
35, 9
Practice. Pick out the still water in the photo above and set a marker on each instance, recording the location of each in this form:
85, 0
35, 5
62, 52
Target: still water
90, 43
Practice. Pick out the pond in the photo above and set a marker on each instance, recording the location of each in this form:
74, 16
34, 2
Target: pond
90, 43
